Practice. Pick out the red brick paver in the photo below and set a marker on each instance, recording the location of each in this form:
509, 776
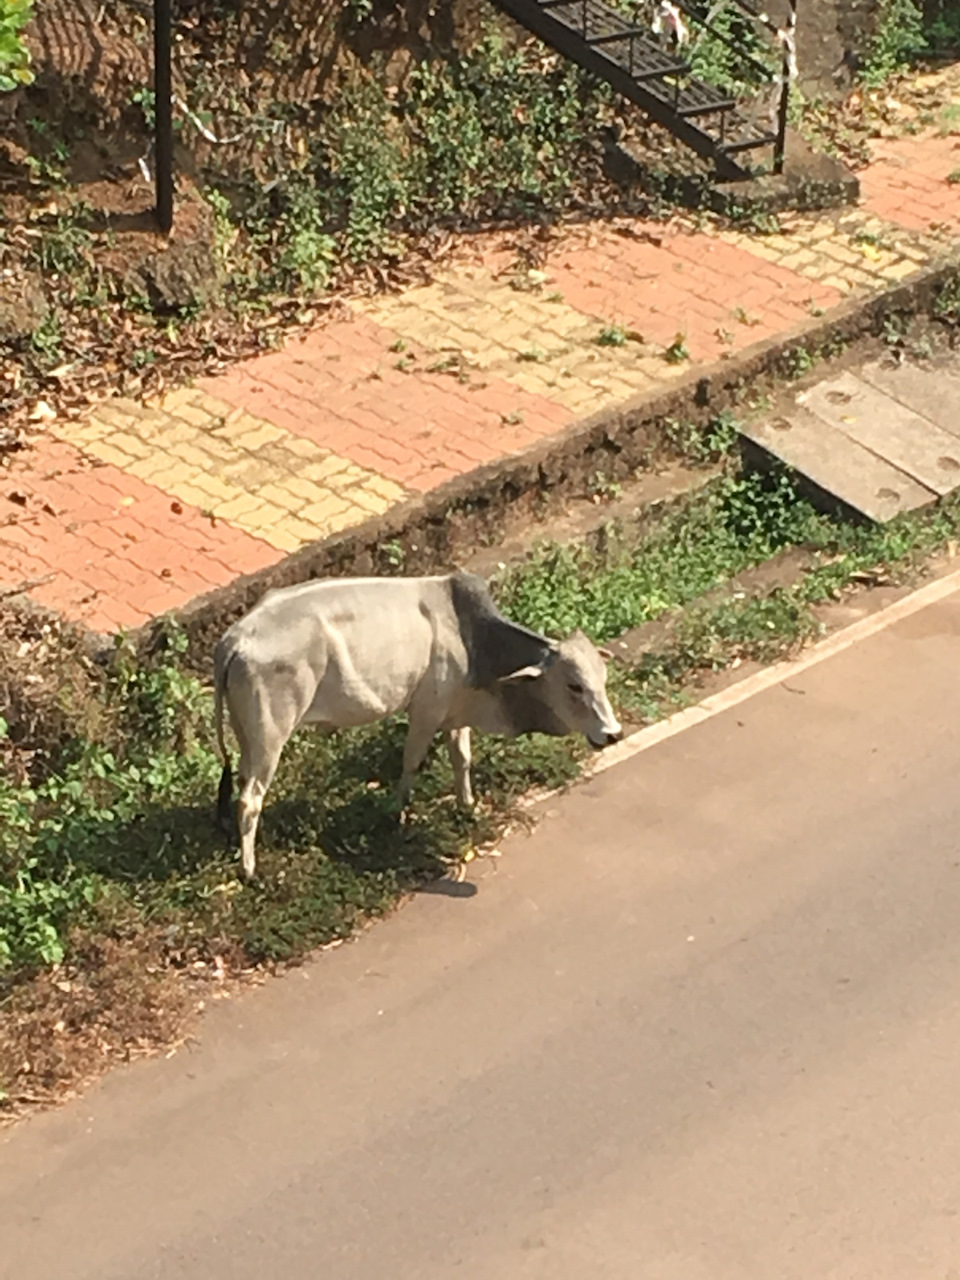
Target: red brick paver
909, 182
349, 389
718, 297
103, 547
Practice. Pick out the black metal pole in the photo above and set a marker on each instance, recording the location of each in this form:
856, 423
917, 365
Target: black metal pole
163, 106
780, 145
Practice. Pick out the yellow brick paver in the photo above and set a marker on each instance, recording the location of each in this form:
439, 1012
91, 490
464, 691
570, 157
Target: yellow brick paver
849, 250
517, 336
234, 466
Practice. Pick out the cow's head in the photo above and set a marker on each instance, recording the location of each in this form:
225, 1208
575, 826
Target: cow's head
571, 689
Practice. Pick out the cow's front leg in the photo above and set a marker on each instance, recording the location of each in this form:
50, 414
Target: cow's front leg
419, 736
458, 744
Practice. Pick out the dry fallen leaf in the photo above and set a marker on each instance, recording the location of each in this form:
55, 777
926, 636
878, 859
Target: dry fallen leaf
42, 412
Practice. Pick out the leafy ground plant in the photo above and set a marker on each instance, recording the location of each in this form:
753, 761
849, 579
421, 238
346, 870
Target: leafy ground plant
496, 132
14, 55
899, 37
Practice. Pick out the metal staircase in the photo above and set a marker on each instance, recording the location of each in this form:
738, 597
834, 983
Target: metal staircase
606, 43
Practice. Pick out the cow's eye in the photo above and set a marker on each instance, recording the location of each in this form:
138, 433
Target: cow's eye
574, 687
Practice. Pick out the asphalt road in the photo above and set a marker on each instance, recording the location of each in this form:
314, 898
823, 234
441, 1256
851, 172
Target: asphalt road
703, 1025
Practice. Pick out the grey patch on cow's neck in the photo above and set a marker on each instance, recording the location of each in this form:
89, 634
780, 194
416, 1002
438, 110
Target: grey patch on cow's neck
526, 711
496, 647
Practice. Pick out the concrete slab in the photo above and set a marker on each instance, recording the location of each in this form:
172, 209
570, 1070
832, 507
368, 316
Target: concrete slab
839, 465
931, 390
887, 428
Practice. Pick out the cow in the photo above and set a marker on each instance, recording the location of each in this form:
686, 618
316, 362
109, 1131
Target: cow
342, 652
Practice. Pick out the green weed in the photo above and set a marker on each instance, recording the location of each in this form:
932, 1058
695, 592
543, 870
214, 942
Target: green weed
942, 26
14, 55
898, 38
46, 339
677, 352
799, 362
946, 306
64, 245
702, 445
736, 524
716, 62
612, 335
146, 100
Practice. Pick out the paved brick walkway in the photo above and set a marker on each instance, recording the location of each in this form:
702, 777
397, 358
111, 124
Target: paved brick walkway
137, 509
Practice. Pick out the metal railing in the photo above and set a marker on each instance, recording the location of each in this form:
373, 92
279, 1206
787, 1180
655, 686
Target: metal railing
581, 16
163, 106
786, 39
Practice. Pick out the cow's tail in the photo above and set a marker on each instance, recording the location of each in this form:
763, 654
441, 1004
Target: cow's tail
225, 790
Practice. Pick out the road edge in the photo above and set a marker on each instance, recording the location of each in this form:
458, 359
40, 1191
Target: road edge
715, 704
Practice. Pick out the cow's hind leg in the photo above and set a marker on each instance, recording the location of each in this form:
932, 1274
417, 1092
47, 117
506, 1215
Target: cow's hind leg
268, 718
256, 773
458, 744
249, 808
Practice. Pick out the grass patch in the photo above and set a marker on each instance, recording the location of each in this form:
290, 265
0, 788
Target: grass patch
736, 524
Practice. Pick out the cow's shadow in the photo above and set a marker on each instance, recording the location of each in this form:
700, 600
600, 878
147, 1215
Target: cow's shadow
177, 841
329, 818
345, 803
326, 805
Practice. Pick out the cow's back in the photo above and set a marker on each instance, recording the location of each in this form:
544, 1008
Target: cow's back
366, 645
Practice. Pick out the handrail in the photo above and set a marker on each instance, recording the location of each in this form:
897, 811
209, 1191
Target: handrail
700, 15
788, 68
785, 36
610, 42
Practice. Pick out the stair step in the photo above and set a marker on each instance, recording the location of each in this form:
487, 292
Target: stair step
877, 421
882, 438
605, 27
747, 144
691, 105
838, 465
693, 100
633, 34
640, 62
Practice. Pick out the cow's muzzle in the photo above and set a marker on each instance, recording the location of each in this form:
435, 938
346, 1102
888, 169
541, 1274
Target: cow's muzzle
607, 740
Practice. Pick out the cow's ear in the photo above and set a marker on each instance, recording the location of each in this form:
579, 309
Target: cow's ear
523, 673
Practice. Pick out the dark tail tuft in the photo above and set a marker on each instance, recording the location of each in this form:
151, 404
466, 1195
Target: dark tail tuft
225, 801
